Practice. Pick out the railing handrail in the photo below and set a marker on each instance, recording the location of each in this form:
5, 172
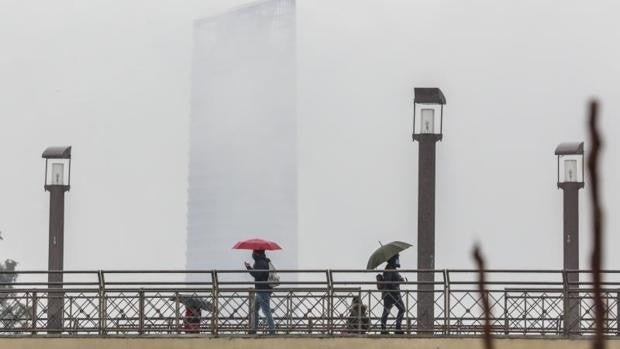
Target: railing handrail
331, 277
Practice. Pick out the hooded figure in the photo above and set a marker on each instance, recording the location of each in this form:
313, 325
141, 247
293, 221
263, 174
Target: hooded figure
358, 321
391, 294
260, 273
261, 262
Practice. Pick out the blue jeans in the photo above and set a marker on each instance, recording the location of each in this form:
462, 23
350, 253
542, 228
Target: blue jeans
263, 300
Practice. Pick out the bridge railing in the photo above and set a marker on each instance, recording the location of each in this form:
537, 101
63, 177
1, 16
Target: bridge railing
307, 302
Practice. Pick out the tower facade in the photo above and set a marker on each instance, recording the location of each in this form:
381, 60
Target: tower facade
243, 138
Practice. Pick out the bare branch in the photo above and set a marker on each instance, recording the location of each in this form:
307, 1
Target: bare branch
597, 219
488, 339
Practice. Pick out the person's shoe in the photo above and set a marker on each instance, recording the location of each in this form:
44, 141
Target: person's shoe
252, 332
400, 332
385, 332
272, 333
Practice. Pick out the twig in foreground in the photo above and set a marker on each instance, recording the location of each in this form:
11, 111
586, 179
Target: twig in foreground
488, 339
597, 220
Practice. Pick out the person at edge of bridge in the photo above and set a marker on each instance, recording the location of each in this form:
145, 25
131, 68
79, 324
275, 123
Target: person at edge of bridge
260, 273
391, 294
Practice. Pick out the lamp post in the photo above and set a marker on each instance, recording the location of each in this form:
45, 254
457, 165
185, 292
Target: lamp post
427, 130
57, 182
570, 180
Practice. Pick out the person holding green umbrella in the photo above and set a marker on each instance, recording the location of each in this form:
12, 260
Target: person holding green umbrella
389, 281
391, 294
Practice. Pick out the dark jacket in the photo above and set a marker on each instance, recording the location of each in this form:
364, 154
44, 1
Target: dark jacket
261, 262
392, 280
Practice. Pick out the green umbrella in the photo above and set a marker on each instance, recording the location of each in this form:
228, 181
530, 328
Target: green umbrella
194, 302
385, 252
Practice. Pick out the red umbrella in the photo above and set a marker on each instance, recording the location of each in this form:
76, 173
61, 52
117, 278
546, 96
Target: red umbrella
257, 244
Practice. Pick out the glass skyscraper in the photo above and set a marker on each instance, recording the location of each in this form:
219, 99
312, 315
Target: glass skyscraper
243, 161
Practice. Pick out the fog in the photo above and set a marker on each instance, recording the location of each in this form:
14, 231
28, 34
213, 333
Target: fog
113, 79
516, 75
243, 138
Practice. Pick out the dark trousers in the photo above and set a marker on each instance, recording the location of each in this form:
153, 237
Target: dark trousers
389, 300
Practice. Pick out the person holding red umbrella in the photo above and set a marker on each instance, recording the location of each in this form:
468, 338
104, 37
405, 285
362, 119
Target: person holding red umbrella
260, 273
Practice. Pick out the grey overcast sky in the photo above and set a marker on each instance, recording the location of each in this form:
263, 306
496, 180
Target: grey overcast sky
113, 79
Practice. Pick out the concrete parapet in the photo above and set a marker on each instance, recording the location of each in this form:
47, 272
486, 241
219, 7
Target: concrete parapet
290, 342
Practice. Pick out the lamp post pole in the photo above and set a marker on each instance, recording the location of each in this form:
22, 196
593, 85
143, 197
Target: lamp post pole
55, 257
571, 254
570, 180
426, 230
57, 182
427, 131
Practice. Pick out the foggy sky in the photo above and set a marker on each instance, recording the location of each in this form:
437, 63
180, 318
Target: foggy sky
113, 80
